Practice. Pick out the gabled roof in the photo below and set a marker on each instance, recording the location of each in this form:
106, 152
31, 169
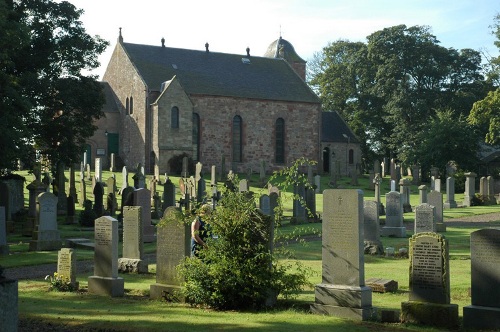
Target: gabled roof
110, 104
219, 74
333, 129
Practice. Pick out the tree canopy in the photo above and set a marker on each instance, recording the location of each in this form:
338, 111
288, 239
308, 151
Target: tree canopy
47, 103
389, 89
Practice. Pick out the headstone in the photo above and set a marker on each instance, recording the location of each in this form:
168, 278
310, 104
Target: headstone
112, 203
393, 216
262, 171
343, 292
371, 176
435, 198
62, 208
490, 190
484, 311
404, 190
380, 285
393, 185
83, 192
112, 162
371, 229
4, 247
450, 202
244, 186
66, 265
72, 183
105, 280
299, 209
124, 179
88, 173
437, 185
98, 199
98, 170
393, 169
142, 198
172, 247
422, 194
16, 195
35, 188
377, 180
470, 188
139, 178
424, 218
415, 172
127, 197
265, 205
429, 301
317, 183
132, 260
168, 194
9, 303
201, 194
46, 235
433, 183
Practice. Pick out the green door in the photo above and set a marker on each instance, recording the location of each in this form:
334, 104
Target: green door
112, 144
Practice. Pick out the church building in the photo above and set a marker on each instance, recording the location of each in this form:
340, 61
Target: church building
164, 101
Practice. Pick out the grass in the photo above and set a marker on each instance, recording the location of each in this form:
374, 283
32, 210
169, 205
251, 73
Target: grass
135, 311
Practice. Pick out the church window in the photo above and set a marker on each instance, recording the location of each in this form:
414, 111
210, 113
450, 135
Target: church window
196, 136
127, 106
131, 105
237, 139
280, 141
174, 117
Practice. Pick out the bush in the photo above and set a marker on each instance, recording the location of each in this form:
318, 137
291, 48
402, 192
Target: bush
175, 164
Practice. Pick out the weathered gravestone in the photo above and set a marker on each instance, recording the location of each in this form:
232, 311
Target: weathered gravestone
470, 188
484, 312
132, 260
404, 190
393, 216
168, 194
46, 234
83, 192
105, 280
72, 183
244, 187
422, 194
371, 229
450, 202
424, 218
98, 199
111, 202
265, 204
142, 198
435, 198
4, 248
299, 208
9, 318
5, 200
343, 292
98, 170
172, 247
429, 301
124, 179
66, 265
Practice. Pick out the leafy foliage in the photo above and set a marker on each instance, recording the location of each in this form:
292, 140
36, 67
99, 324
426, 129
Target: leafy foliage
59, 283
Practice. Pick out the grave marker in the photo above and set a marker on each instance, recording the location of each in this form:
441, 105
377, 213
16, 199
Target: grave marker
46, 235
66, 265
371, 228
393, 216
4, 248
132, 260
435, 198
142, 198
424, 218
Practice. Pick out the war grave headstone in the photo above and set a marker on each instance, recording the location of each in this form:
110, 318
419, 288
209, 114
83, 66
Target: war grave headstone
484, 311
435, 198
172, 247
425, 218
133, 258
422, 194
168, 194
142, 198
299, 210
4, 247
470, 188
393, 216
105, 280
450, 202
342, 292
429, 283
371, 229
98, 199
9, 305
46, 235
66, 265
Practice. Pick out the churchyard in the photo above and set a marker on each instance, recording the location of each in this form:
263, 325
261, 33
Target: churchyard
109, 299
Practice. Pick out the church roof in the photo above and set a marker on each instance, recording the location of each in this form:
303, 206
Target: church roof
333, 129
281, 48
220, 74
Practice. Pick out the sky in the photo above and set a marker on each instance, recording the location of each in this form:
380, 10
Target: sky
230, 26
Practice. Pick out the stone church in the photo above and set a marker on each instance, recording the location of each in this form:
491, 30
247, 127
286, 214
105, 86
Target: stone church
163, 101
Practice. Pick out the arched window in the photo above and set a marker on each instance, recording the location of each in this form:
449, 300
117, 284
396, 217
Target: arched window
174, 117
131, 105
280, 141
127, 106
351, 156
237, 139
196, 136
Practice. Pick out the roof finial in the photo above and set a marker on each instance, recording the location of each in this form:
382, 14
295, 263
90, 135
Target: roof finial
162, 42
248, 51
206, 47
120, 37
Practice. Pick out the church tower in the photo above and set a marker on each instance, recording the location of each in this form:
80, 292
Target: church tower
283, 49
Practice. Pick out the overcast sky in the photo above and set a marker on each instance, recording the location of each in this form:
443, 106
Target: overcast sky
230, 26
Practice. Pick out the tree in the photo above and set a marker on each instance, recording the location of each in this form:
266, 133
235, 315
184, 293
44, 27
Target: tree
52, 102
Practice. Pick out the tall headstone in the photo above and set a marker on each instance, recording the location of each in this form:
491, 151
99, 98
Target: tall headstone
172, 247
168, 194
393, 216
9, 303
112, 162
46, 235
98, 199
415, 173
450, 202
142, 198
105, 280
66, 265
342, 292
393, 169
437, 185
483, 185
72, 183
35, 188
470, 188
429, 301
139, 177
88, 174
404, 190
422, 194
133, 252
62, 208
377, 180
425, 218
83, 192
317, 183
4, 247
98, 170
490, 190
484, 311
299, 208
371, 228
124, 179
435, 198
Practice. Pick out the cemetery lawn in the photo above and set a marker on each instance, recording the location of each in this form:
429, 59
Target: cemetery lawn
81, 311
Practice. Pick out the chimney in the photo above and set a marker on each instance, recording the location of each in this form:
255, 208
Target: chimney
248, 51
162, 42
120, 37
206, 47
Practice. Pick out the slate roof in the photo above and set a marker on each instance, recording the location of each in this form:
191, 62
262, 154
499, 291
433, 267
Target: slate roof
220, 74
333, 128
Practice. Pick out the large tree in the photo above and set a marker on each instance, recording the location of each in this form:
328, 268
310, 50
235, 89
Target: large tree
52, 101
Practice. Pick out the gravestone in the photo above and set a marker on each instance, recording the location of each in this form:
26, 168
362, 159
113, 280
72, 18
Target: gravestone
265, 204
201, 194
72, 184
404, 190
424, 218
83, 192
142, 198
470, 188
4, 248
132, 260
415, 173
46, 235
98, 170
490, 190
127, 197
450, 202
16, 195
172, 247
371, 229
422, 191
168, 194
342, 292
62, 208
66, 265
435, 198
88, 174
139, 178
483, 185
98, 199
35, 188
377, 180
9, 303
112, 162
124, 179
299, 210
112, 203
371, 177
5, 200
429, 301
244, 187
393, 169
105, 280
437, 185
484, 311
317, 183
393, 216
